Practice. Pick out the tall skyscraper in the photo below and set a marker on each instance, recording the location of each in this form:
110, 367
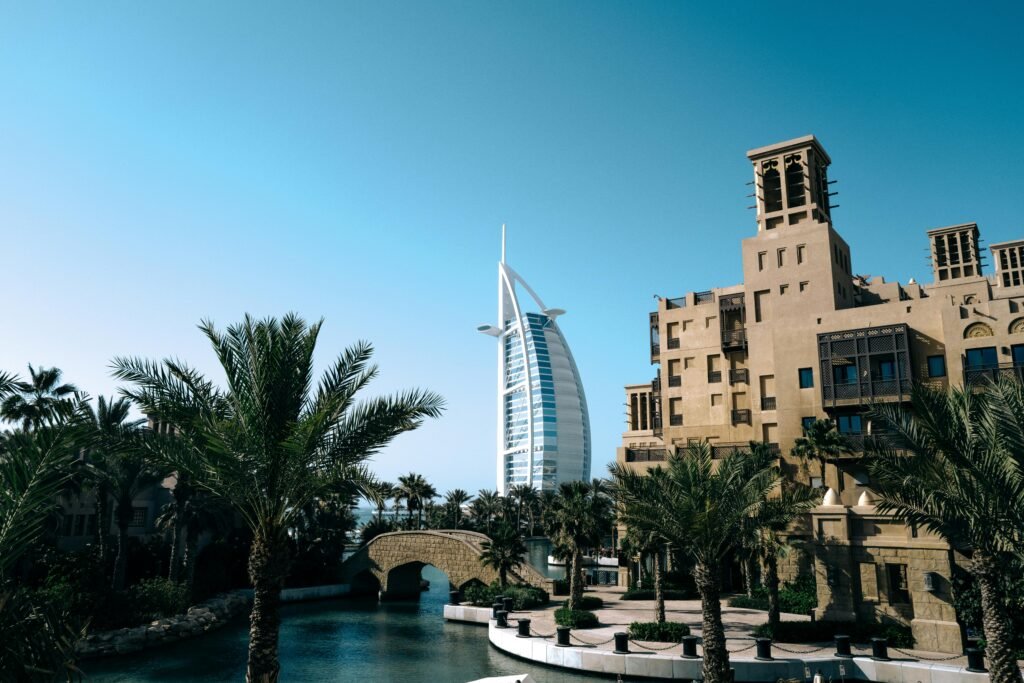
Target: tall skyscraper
543, 425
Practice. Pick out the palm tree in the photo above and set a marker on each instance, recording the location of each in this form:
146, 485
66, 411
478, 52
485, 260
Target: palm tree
414, 490
822, 442
485, 508
39, 638
504, 551
130, 471
698, 504
453, 501
379, 493
582, 512
198, 514
647, 543
38, 401
271, 442
526, 496
955, 465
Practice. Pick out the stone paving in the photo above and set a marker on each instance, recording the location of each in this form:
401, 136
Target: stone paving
617, 614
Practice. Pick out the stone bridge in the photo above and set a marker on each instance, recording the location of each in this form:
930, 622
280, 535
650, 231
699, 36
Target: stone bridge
390, 564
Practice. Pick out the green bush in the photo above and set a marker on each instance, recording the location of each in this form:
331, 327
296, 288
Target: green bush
523, 597
663, 632
155, 598
797, 597
575, 618
648, 594
823, 631
590, 602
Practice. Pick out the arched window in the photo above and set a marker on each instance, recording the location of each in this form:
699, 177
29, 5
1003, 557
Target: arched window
1017, 326
977, 330
772, 183
795, 193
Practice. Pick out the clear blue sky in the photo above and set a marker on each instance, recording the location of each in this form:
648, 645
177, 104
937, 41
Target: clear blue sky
166, 162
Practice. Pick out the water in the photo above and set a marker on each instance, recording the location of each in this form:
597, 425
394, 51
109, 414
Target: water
340, 640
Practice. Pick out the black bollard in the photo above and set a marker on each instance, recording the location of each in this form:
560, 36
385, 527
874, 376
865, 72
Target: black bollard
507, 604
502, 619
495, 608
454, 597
975, 660
621, 643
690, 647
590, 579
880, 649
562, 635
764, 649
524, 628
843, 646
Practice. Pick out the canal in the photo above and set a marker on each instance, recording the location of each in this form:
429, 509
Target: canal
340, 640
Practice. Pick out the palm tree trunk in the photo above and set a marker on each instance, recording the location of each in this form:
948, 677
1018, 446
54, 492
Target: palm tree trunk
121, 560
102, 525
716, 658
749, 569
268, 564
640, 570
576, 582
188, 562
173, 571
771, 578
659, 594
1001, 662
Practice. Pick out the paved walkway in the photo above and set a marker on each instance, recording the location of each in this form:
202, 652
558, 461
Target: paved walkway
617, 614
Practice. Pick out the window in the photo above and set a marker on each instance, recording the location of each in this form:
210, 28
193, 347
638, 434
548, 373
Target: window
687, 324
783, 289
806, 378
899, 591
886, 370
806, 422
708, 322
772, 186
803, 286
844, 374
801, 252
762, 256
983, 358
688, 362
936, 366
1017, 353
716, 399
138, 517
850, 424
781, 256
761, 305
795, 181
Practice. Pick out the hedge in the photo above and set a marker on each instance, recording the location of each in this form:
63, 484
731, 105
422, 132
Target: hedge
648, 594
797, 597
590, 602
523, 597
575, 618
822, 631
660, 632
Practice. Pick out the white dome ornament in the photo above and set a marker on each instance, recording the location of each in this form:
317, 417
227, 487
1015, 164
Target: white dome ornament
867, 499
831, 498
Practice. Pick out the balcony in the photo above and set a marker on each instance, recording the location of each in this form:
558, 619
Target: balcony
655, 350
703, 297
741, 417
646, 454
861, 443
861, 366
673, 343
714, 376
675, 303
734, 340
978, 376
675, 420
720, 450
767, 403
675, 380
738, 375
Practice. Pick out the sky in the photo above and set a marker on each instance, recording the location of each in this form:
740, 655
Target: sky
163, 163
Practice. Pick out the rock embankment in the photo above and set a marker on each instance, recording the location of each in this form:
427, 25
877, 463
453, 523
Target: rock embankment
200, 618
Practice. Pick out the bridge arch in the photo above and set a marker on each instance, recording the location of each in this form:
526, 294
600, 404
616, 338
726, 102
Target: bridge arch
392, 562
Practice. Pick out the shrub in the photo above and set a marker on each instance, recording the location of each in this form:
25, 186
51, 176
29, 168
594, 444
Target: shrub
663, 632
154, 598
822, 631
797, 597
590, 602
575, 618
648, 594
523, 597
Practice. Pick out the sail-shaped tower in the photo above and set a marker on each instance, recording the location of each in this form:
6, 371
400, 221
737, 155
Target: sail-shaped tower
543, 425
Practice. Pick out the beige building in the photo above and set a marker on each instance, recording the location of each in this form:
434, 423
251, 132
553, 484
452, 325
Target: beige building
804, 338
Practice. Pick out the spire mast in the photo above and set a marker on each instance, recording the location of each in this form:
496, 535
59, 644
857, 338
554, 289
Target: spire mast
502, 242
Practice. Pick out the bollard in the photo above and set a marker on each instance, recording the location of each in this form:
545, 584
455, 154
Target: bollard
507, 603
975, 660
454, 597
764, 649
563, 636
524, 628
880, 649
621, 643
590, 579
690, 647
495, 608
502, 619
843, 646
